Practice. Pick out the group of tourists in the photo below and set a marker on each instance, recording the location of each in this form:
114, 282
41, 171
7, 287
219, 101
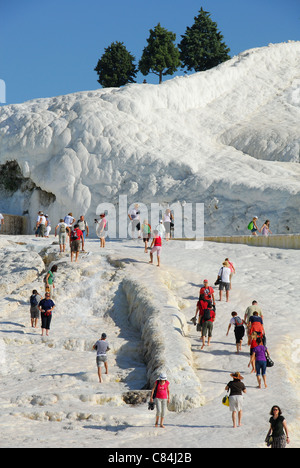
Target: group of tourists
252, 325
205, 316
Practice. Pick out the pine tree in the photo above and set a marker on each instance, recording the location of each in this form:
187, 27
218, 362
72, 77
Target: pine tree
161, 55
201, 48
116, 67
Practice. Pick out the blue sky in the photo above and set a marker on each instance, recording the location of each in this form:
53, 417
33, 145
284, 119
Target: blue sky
50, 48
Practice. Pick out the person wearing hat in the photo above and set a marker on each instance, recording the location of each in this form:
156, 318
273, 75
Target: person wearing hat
101, 346
236, 388
161, 394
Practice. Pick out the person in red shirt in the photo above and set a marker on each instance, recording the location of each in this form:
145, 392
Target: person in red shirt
207, 318
207, 293
75, 237
156, 246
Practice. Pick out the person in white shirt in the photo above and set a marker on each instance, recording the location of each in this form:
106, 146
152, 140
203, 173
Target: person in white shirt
134, 216
167, 223
42, 225
1, 220
48, 226
161, 229
224, 275
69, 220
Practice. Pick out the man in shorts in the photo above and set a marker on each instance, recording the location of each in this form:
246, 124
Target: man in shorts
224, 275
34, 300
76, 237
101, 346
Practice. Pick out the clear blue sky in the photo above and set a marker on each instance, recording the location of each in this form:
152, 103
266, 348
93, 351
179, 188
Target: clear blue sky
49, 48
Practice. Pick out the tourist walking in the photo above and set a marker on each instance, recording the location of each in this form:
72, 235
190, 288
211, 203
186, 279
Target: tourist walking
232, 269
278, 429
259, 358
48, 226
265, 229
42, 225
76, 237
37, 224
224, 280
63, 231
207, 292
101, 346
146, 231
46, 307
239, 330
161, 394
236, 389
161, 229
49, 281
100, 230
252, 226
207, 317
134, 216
69, 220
34, 300
156, 246
83, 226
167, 219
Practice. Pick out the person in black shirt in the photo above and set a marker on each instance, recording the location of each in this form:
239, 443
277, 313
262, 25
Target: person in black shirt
278, 428
236, 388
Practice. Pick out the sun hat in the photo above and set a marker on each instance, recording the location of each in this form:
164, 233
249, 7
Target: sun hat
255, 217
237, 375
162, 376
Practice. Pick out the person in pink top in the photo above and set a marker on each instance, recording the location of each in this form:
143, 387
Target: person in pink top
161, 394
156, 247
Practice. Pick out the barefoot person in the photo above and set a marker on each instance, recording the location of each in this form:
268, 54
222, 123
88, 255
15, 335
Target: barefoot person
101, 346
236, 388
161, 394
155, 247
239, 330
259, 357
34, 300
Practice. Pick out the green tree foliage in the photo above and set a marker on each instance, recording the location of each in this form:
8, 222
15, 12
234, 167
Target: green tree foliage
116, 67
161, 55
202, 47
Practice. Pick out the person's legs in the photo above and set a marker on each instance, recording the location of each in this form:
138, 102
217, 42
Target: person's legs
234, 418
240, 413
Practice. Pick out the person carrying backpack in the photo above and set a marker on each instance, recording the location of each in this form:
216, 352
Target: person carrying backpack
252, 226
34, 300
239, 330
76, 237
207, 317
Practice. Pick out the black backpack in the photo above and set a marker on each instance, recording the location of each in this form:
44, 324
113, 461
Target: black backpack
206, 315
33, 301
